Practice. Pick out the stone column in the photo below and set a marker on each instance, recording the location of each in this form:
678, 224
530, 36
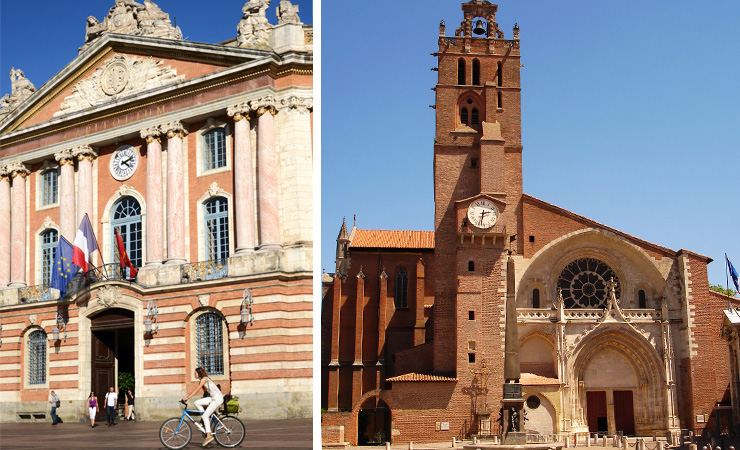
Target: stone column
269, 222
243, 182
85, 155
154, 223
18, 173
4, 227
175, 193
67, 214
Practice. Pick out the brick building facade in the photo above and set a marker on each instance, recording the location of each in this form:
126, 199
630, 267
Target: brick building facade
616, 334
200, 155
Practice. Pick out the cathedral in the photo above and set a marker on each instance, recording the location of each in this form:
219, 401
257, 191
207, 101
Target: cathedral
616, 335
195, 161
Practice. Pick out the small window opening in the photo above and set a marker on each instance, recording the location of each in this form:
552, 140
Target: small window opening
499, 74
471, 315
536, 298
471, 346
499, 102
473, 163
641, 299
464, 116
531, 238
469, 101
471, 266
471, 357
476, 72
460, 71
474, 117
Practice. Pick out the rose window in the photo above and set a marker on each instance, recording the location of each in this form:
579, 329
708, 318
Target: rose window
583, 283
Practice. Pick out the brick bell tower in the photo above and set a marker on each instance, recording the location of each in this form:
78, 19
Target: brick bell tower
477, 191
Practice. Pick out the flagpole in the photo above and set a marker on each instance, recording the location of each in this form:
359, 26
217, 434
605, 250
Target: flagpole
97, 244
727, 281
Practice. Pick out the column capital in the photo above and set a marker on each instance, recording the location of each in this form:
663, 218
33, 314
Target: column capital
240, 111
263, 105
172, 129
4, 173
300, 104
83, 152
17, 169
65, 157
151, 133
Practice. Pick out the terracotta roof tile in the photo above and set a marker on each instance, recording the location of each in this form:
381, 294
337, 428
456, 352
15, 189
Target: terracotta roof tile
392, 239
530, 379
421, 377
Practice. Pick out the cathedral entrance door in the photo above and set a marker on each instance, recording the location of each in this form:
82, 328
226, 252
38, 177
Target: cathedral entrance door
112, 351
624, 414
596, 409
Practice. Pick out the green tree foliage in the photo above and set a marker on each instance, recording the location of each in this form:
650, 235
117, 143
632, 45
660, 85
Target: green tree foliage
126, 381
721, 290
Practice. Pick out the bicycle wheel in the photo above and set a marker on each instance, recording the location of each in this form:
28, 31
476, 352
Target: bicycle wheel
230, 432
172, 437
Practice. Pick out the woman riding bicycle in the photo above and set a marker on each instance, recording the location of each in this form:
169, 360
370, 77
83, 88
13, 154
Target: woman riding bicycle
206, 405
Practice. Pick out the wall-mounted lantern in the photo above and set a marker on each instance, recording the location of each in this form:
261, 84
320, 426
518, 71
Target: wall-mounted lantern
151, 317
60, 324
1, 335
246, 313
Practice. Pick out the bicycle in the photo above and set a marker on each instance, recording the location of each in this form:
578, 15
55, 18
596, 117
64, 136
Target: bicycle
176, 433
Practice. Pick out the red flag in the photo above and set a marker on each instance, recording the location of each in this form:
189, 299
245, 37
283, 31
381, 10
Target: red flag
123, 257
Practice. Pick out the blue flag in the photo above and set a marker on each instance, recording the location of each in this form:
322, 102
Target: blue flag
733, 273
63, 269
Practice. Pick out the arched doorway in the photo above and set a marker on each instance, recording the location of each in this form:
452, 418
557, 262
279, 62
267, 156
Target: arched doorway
112, 333
373, 422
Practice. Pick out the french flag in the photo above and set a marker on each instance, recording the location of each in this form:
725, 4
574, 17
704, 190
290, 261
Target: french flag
85, 244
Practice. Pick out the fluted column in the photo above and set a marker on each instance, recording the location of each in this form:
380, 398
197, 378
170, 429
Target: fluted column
85, 155
243, 182
4, 227
269, 222
154, 222
67, 214
18, 173
175, 193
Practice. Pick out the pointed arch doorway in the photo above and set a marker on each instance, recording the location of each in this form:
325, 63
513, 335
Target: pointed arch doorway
112, 339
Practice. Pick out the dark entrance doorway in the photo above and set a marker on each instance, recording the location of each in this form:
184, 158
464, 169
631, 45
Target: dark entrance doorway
112, 351
596, 408
373, 422
624, 414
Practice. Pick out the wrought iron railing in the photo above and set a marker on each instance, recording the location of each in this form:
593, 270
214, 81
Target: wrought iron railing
204, 270
113, 271
38, 293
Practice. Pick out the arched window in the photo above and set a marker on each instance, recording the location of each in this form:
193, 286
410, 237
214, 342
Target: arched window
127, 220
536, 298
217, 229
474, 117
585, 283
37, 357
460, 71
49, 239
464, 116
641, 299
49, 187
499, 100
214, 149
476, 72
499, 74
402, 288
210, 343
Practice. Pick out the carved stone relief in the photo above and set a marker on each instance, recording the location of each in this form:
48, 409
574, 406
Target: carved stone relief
108, 295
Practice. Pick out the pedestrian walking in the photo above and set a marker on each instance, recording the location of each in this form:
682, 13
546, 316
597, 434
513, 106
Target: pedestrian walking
206, 405
92, 406
54, 400
111, 398
130, 403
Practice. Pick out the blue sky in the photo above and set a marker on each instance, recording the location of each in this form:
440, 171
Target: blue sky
40, 38
630, 115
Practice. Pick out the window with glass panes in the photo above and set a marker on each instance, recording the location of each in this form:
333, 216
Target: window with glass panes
217, 229
49, 241
49, 187
209, 342
37, 357
214, 150
127, 220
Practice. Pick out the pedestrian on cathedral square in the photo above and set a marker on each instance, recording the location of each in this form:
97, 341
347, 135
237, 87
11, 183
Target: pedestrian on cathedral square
130, 402
92, 406
111, 398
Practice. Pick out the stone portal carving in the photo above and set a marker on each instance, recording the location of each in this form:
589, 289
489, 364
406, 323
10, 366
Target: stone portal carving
20, 89
129, 17
253, 29
287, 13
120, 76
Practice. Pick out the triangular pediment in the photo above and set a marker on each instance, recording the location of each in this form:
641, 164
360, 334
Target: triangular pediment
117, 69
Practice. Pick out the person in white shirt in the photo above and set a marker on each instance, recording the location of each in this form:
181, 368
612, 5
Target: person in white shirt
110, 405
206, 405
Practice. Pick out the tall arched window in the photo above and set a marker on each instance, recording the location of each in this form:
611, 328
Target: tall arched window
49, 187
402, 288
476, 72
217, 228
210, 343
49, 239
127, 220
464, 115
536, 298
474, 119
499, 74
460, 71
214, 149
37, 357
642, 301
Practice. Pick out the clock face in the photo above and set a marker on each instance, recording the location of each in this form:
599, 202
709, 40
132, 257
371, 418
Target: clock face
124, 162
482, 213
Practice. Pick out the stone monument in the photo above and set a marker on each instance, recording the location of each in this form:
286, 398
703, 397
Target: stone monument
253, 29
20, 89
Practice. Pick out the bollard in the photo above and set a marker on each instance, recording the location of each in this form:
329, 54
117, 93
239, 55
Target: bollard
387, 446
475, 440
731, 448
411, 445
453, 442
588, 439
603, 443
567, 442
624, 442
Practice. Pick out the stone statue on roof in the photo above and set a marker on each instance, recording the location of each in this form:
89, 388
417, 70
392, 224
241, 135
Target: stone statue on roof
20, 89
253, 29
287, 13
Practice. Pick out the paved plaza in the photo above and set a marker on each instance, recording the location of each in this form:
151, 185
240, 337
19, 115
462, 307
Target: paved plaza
261, 434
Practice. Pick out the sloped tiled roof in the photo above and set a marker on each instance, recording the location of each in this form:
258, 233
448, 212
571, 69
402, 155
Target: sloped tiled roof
392, 239
421, 377
530, 379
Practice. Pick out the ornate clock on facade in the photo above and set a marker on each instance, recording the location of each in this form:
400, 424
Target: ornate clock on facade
482, 214
124, 162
